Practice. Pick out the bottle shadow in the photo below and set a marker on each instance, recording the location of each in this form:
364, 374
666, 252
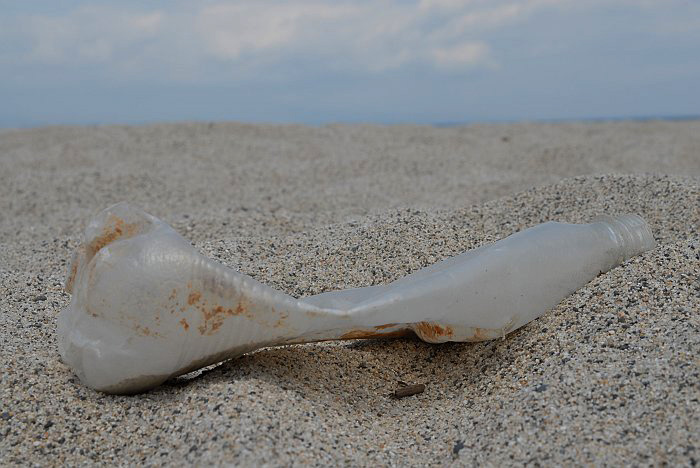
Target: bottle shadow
362, 375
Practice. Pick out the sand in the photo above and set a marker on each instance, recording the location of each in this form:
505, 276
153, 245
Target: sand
611, 375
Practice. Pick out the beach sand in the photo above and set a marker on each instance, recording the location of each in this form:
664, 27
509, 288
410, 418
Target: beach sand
611, 375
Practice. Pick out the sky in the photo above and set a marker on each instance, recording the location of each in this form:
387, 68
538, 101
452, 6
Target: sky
317, 62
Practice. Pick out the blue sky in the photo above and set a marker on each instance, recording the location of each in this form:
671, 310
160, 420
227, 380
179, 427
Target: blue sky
383, 61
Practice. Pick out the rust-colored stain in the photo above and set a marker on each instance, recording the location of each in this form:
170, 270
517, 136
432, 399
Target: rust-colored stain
114, 229
214, 317
194, 297
145, 331
71, 276
92, 275
480, 334
281, 321
173, 294
388, 325
364, 334
185, 325
433, 331
483, 334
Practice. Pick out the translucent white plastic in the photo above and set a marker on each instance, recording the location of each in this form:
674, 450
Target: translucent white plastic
146, 306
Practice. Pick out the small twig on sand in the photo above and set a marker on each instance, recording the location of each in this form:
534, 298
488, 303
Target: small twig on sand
409, 390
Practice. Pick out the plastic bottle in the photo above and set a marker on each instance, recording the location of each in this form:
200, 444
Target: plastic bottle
146, 306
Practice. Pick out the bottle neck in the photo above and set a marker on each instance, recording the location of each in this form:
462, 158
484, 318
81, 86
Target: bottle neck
630, 234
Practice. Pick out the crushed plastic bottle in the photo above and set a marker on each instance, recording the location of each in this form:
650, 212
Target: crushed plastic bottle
146, 306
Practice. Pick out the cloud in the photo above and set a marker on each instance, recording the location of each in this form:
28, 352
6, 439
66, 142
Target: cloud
203, 40
90, 34
468, 53
229, 30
